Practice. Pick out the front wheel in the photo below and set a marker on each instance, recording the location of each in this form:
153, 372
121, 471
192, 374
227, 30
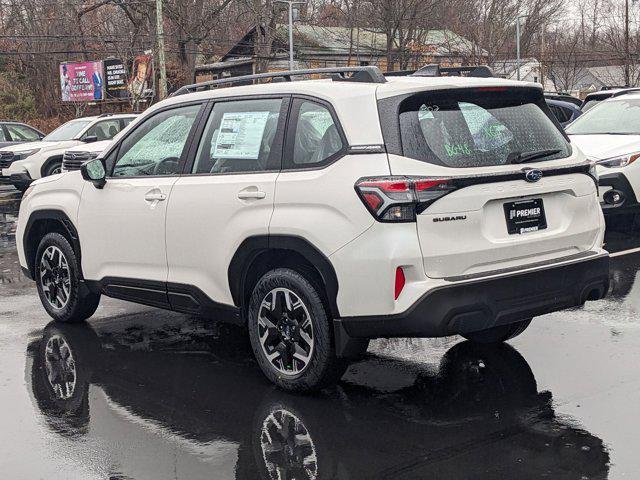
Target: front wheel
498, 334
290, 332
53, 168
57, 276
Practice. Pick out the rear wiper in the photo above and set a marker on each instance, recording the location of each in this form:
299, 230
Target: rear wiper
519, 157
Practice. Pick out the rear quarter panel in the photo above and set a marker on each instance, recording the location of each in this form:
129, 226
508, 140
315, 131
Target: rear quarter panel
321, 205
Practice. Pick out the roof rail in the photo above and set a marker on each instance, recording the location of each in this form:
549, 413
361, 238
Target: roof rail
106, 115
368, 74
435, 70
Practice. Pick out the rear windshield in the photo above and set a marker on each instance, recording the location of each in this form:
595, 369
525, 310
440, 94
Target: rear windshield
476, 128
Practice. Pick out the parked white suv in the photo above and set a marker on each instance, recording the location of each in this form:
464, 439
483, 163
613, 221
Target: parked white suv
323, 213
21, 164
75, 157
609, 134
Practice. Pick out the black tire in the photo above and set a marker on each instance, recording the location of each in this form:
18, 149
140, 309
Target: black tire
21, 188
63, 295
498, 334
52, 168
285, 335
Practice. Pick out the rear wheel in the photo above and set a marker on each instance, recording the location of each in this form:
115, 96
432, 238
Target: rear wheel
57, 276
290, 332
498, 334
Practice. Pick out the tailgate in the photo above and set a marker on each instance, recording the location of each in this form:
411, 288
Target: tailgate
467, 232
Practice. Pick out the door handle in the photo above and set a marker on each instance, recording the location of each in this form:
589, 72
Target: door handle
251, 193
155, 197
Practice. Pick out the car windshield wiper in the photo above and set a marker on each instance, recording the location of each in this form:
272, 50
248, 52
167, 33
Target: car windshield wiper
519, 157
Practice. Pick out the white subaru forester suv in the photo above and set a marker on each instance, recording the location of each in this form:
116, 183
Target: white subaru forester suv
324, 213
22, 163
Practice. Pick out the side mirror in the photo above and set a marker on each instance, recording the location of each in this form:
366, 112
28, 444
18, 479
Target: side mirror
93, 171
90, 139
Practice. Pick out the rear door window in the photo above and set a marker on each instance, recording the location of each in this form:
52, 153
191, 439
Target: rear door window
241, 136
104, 130
472, 128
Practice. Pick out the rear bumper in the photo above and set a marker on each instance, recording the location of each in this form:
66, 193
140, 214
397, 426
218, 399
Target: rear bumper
478, 305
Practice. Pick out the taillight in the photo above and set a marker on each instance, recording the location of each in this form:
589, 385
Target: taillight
400, 199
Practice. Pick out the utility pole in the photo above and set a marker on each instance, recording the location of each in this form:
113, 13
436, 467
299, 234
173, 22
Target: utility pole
518, 43
542, 57
626, 44
291, 3
162, 89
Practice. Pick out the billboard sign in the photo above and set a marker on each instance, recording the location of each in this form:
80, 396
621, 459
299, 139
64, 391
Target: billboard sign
115, 73
81, 82
140, 83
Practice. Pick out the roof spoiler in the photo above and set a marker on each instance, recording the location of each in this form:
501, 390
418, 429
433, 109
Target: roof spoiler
435, 70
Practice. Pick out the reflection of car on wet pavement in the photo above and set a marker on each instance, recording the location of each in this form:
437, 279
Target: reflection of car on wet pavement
187, 392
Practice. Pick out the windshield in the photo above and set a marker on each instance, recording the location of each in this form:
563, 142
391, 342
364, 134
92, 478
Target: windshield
67, 131
620, 116
474, 128
589, 104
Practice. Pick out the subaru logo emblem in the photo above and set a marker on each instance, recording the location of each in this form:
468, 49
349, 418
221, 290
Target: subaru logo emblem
532, 175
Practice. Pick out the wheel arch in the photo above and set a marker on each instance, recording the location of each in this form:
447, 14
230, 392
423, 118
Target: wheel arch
49, 161
256, 255
46, 221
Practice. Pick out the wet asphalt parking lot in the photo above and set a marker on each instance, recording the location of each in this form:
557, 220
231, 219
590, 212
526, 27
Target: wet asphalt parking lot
151, 394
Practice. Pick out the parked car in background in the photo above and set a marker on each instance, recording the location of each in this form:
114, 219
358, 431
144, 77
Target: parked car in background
565, 112
594, 98
610, 134
563, 97
320, 214
12, 133
74, 157
23, 163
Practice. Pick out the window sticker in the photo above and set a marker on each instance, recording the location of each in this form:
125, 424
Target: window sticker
240, 135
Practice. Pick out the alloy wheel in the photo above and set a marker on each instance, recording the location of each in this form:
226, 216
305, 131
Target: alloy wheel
60, 367
55, 277
286, 331
287, 447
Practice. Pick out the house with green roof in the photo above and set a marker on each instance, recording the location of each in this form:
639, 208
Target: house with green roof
318, 46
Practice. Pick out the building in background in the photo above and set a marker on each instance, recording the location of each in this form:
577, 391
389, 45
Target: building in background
318, 47
530, 71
